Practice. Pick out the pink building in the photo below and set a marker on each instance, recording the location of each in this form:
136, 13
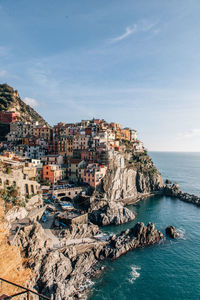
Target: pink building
93, 174
73, 130
89, 155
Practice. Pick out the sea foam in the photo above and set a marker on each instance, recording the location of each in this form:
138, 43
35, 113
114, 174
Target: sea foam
134, 274
181, 233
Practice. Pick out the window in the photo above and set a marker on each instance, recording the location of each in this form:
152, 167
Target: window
47, 173
26, 188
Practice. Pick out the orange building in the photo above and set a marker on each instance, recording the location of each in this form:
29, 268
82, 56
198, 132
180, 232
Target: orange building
52, 173
126, 134
65, 146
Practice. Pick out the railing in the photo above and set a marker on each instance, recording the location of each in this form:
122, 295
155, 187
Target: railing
26, 291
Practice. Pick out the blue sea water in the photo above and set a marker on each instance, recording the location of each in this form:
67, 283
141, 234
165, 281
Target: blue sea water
169, 270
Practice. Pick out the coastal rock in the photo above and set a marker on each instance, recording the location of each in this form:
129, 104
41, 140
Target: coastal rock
77, 231
113, 213
137, 237
171, 232
55, 267
173, 190
59, 271
167, 181
63, 272
128, 177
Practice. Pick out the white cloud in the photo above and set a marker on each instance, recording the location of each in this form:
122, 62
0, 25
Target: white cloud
142, 26
30, 101
192, 133
3, 73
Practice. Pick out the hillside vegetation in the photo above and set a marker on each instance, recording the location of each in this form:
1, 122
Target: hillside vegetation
11, 101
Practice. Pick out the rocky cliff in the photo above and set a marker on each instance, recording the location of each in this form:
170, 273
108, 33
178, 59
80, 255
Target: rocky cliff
64, 272
138, 236
130, 177
11, 101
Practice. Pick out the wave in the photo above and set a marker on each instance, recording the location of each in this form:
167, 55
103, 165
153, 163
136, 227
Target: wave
86, 285
181, 233
134, 274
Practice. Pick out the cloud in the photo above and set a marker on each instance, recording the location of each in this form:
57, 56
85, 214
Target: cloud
191, 133
3, 73
142, 26
30, 101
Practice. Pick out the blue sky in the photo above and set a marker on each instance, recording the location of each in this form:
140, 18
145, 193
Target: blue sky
134, 62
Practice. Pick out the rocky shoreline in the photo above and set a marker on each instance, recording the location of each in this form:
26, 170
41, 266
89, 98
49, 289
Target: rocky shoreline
64, 261
66, 272
173, 190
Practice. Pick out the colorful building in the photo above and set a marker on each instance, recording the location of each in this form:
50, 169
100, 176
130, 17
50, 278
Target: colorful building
52, 173
93, 174
125, 134
7, 117
43, 132
80, 142
61, 129
90, 156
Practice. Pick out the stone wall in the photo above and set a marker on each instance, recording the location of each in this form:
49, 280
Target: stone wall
16, 177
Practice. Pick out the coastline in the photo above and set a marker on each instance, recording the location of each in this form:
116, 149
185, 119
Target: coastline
173, 190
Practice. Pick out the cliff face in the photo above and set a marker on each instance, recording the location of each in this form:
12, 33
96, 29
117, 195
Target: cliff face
129, 176
11, 101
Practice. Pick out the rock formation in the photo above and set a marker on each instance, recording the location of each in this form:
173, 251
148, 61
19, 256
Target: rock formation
173, 190
137, 237
113, 213
130, 177
171, 232
64, 271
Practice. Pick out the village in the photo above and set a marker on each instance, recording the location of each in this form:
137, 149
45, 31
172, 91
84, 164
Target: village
53, 171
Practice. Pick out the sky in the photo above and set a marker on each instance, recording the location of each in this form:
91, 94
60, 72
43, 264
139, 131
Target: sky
133, 62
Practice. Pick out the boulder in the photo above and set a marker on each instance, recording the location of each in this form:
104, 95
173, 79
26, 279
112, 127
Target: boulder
171, 232
113, 213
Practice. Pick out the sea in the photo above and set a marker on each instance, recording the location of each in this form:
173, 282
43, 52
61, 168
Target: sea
169, 270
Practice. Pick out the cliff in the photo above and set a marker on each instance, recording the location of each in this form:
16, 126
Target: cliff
11, 101
65, 272
130, 176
